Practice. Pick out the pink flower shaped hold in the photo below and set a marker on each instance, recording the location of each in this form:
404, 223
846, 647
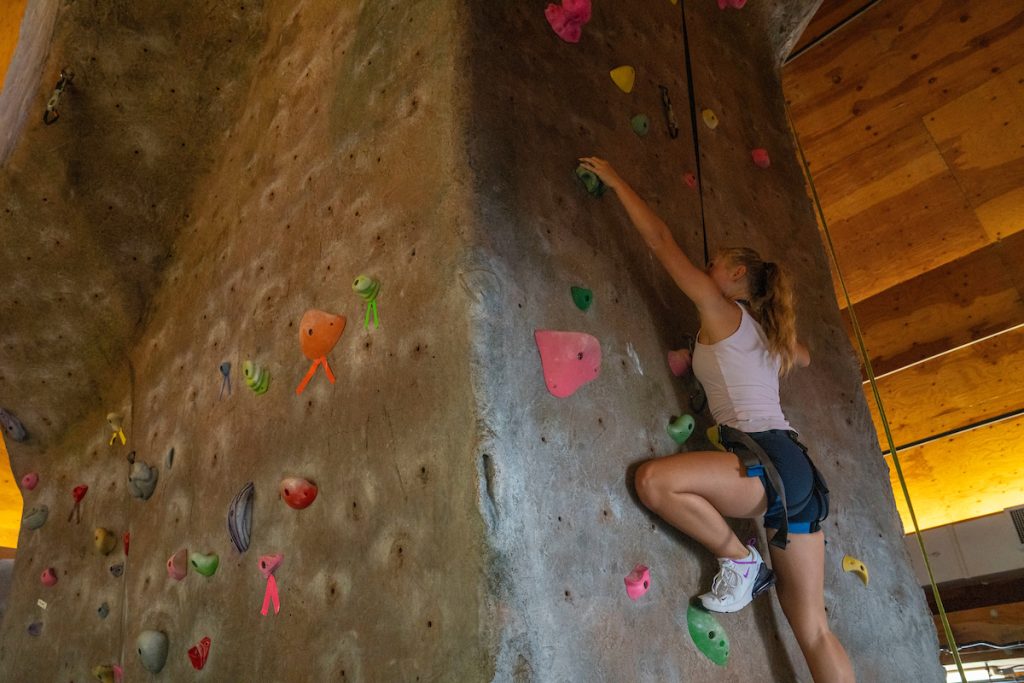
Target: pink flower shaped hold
568, 19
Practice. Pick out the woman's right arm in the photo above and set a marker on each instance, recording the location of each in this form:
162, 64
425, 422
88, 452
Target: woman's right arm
694, 282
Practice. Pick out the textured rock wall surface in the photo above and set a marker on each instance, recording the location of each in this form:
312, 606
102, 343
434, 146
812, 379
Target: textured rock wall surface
565, 525
214, 174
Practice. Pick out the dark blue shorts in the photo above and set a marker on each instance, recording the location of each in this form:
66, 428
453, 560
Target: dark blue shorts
806, 503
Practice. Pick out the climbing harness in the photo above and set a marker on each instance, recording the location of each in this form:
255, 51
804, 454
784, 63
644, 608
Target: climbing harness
878, 398
51, 114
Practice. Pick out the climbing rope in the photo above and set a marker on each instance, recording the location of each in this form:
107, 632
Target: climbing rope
878, 398
693, 128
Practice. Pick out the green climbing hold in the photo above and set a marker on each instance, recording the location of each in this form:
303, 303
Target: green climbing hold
680, 428
594, 185
583, 297
708, 635
641, 124
204, 564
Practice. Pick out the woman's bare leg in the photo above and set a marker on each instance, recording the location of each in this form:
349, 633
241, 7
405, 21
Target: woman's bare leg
800, 586
691, 491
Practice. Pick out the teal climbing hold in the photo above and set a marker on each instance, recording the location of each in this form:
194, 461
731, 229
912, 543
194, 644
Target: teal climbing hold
583, 297
680, 428
641, 124
595, 186
708, 635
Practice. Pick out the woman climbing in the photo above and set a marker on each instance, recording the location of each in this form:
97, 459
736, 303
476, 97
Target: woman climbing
747, 340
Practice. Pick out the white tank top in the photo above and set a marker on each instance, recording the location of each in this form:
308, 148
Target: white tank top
741, 379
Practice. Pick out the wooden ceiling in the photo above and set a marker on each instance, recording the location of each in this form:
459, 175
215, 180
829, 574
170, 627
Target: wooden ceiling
912, 118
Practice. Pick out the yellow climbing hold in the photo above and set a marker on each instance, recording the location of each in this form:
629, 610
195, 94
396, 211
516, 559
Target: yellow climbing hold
852, 564
624, 77
674, 2
710, 119
715, 438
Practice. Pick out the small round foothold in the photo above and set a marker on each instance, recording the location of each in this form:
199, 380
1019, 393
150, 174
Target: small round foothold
760, 157
35, 628
710, 118
225, 368
638, 581
679, 361
29, 481
641, 124
270, 563
12, 426
36, 517
297, 493
104, 673
582, 297
49, 577
115, 421
690, 179
177, 565
116, 570
104, 540
103, 611
680, 428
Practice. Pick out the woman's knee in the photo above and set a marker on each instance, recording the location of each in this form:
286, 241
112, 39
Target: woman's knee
648, 484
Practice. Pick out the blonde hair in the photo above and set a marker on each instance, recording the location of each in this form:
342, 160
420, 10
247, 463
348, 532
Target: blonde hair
771, 302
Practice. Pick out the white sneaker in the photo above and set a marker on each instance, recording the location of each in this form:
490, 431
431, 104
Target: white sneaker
737, 583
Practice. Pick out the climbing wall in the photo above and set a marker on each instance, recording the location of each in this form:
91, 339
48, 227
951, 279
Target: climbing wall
175, 225
560, 510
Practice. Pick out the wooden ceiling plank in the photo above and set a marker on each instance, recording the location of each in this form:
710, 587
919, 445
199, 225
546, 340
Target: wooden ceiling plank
829, 15
955, 390
964, 476
981, 136
1001, 625
895, 64
967, 299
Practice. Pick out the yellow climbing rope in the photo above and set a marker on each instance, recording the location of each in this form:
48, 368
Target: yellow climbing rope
878, 399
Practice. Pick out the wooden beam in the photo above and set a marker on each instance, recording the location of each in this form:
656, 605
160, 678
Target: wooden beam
986, 591
975, 296
1002, 624
966, 386
831, 14
969, 475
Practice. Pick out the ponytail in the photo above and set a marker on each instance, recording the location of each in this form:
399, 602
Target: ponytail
771, 303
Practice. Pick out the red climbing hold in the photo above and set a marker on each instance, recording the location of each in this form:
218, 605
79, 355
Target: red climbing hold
690, 180
568, 20
78, 493
735, 4
569, 360
198, 653
297, 493
49, 577
760, 157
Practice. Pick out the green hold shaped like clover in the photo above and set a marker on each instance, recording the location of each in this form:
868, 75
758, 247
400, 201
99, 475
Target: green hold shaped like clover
204, 564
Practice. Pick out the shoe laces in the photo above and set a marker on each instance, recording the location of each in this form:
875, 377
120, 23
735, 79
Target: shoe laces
728, 578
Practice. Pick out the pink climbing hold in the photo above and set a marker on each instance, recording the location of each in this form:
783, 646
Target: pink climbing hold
567, 21
569, 360
29, 481
177, 565
118, 673
49, 577
690, 180
735, 4
638, 581
679, 362
760, 157
268, 565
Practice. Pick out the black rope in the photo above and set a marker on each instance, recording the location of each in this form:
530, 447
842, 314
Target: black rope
693, 127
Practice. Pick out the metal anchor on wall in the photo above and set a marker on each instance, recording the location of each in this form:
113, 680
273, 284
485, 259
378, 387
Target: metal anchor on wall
51, 114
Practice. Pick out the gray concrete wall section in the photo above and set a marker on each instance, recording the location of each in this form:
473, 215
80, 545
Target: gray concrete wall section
565, 525
340, 155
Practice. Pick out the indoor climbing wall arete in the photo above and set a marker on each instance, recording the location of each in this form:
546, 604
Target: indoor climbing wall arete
307, 392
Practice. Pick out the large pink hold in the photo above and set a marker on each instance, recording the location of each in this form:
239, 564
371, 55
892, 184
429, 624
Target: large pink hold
679, 362
735, 4
569, 360
567, 21
638, 581
29, 481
